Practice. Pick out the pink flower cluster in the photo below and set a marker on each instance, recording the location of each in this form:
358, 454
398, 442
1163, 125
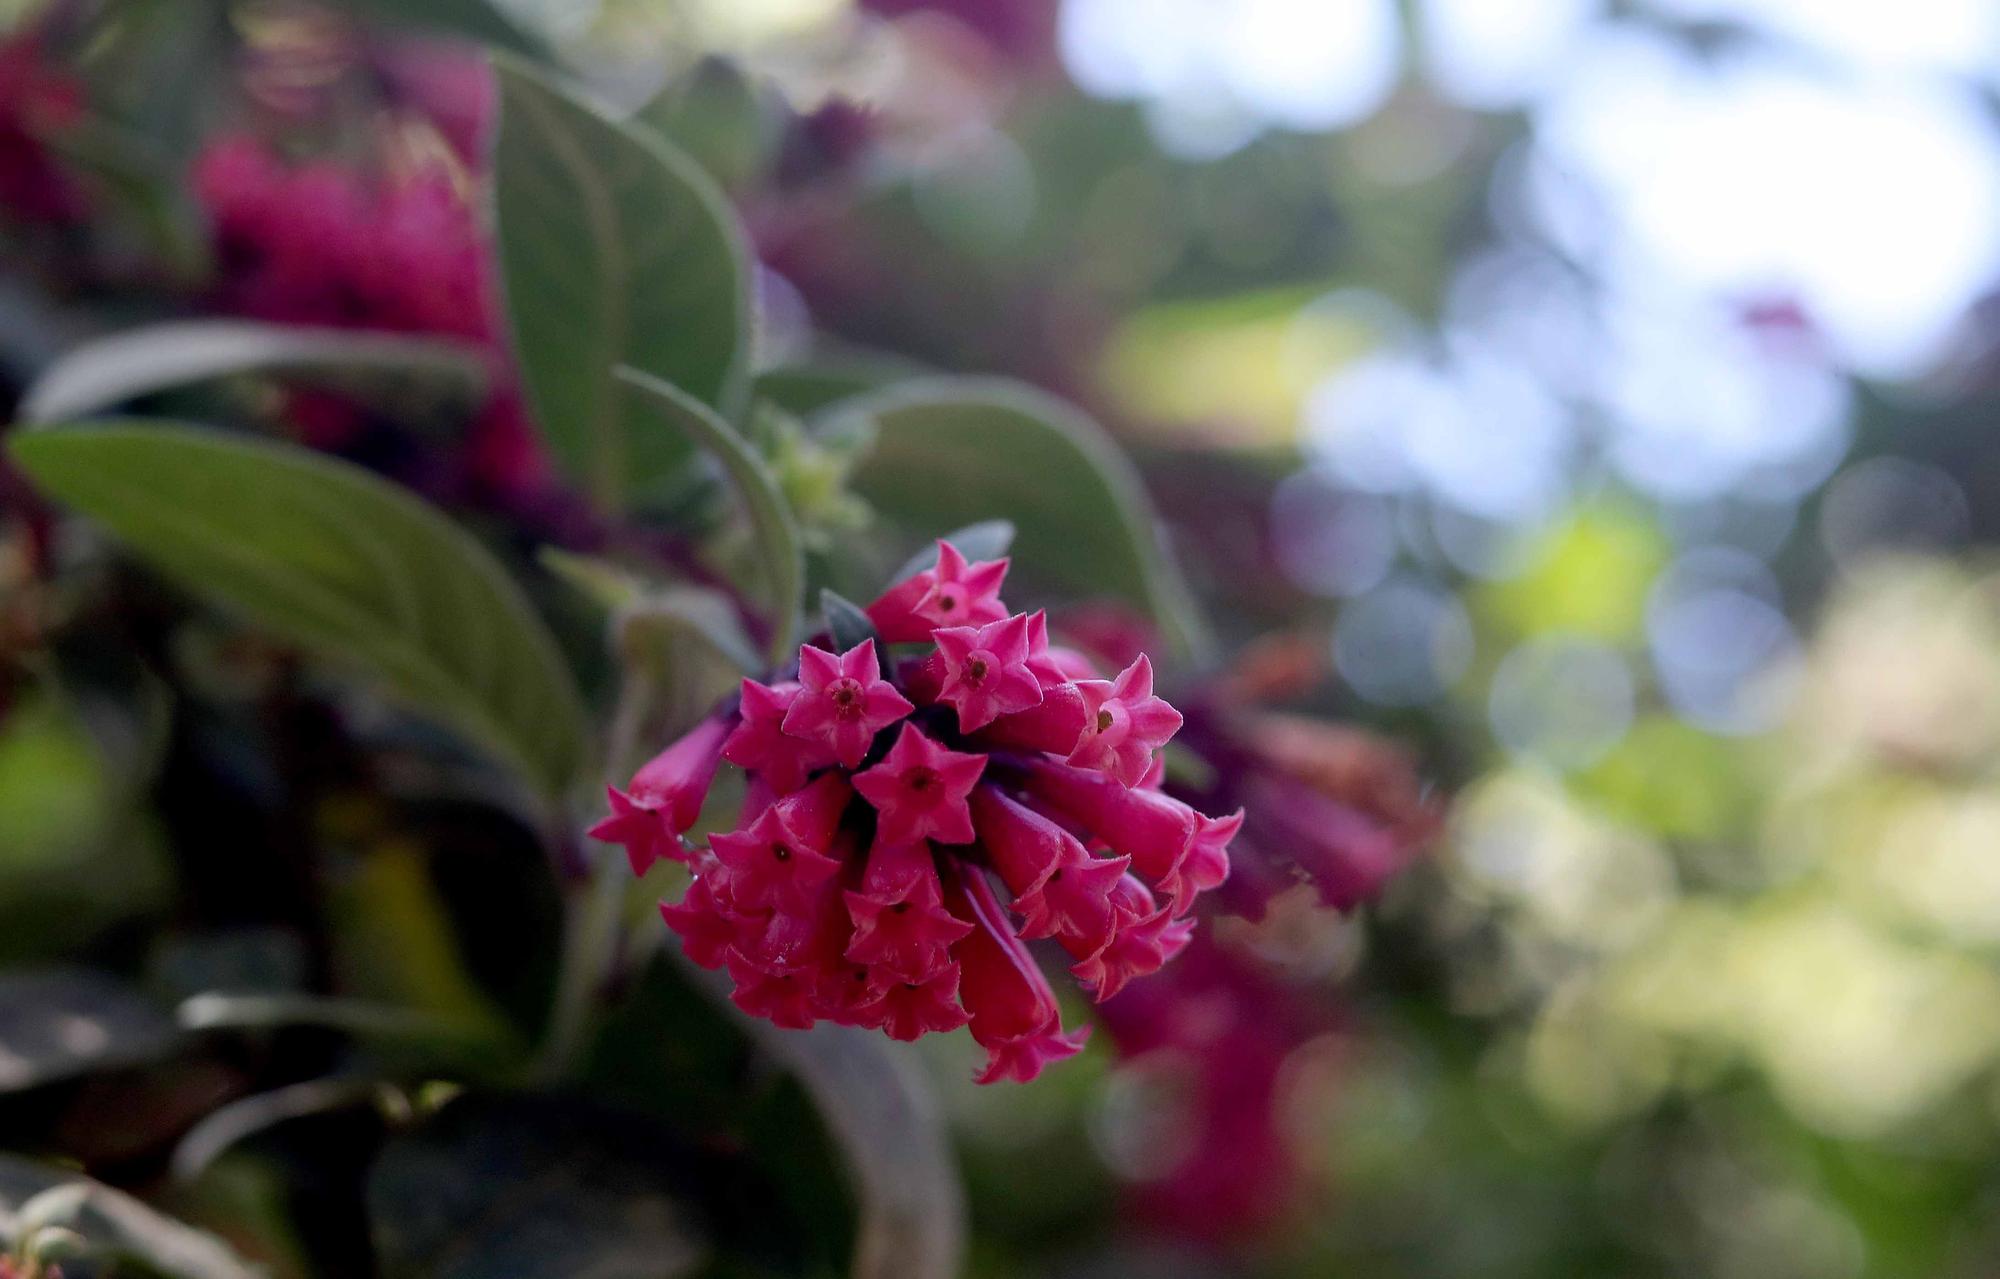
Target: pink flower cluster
313, 244
911, 824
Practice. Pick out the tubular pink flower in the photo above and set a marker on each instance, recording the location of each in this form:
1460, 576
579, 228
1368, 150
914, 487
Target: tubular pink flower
952, 594
1012, 1010
1055, 725
1147, 936
781, 860
908, 1010
1053, 664
1059, 888
760, 743
1124, 723
903, 929
919, 790
1155, 830
986, 671
843, 701
1206, 865
785, 999
664, 798
707, 925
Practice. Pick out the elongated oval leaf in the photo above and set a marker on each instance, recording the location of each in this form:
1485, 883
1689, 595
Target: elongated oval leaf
614, 249
338, 560
986, 540
59, 1023
777, 533
881, 1110
114, 370
115, 1227
947, 448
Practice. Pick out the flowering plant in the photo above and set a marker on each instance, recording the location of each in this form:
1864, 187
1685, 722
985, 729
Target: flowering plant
865, 895
451, 445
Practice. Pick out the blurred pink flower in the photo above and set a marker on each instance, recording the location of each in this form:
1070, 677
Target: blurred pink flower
316, 244
1224, 1028
37, 102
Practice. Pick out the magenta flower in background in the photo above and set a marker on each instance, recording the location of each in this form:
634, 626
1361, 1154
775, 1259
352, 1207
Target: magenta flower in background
37, 102
1224, 1029
891, 866
316, 244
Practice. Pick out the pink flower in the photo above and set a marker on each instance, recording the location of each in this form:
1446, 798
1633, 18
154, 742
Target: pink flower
664, 798
760, 743
952, 594
911, 937
909, 1010
1013, 1011
1146, 938
1123, 723
919, 790
1059, 888
900, 924
781, 860
1155, 830
843, 701
986, 672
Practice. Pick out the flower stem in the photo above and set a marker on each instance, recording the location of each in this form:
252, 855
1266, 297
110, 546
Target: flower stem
595, 914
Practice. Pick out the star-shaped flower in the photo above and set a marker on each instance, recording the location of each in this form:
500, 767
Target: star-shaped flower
664, 798
919, 790
954, 593
909, 1010
759, 742
1124, 723
986, 672
843, 701
781, 860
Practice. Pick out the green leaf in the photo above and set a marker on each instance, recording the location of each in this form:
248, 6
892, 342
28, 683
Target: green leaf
890, 1130
986, 540
692, 610
845, 620
615, 249
60, 1023
951, 447
818, 382
777, 535
715, 115
339, 561
246, 1117
114, 370
114, 1227
479, 20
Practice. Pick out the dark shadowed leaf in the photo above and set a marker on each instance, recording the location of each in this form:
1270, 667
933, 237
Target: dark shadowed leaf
890, 1129
845, 620
116, 1230
777, 534
986, 540
948, 447
519, 1188
614, 249
112, 371
65, 1022
337, 560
